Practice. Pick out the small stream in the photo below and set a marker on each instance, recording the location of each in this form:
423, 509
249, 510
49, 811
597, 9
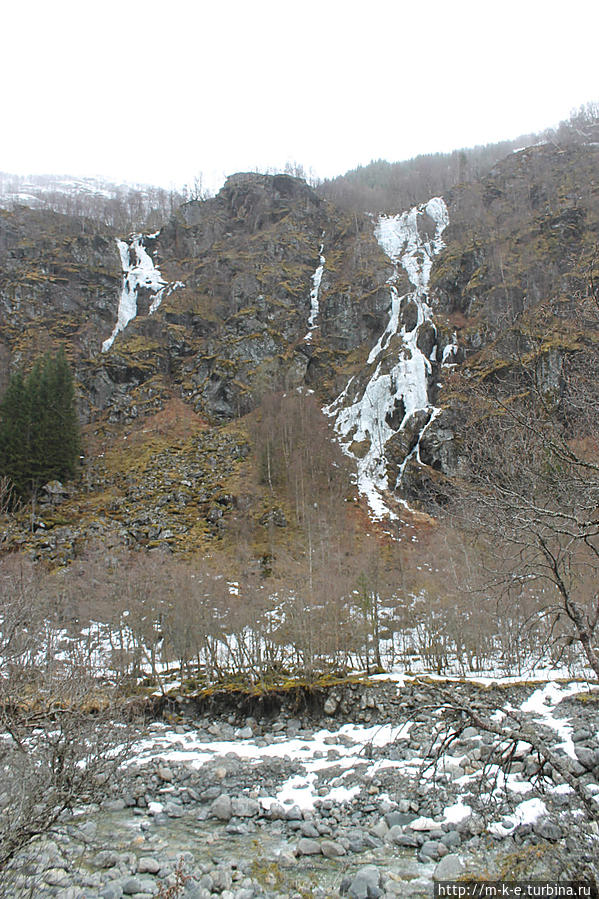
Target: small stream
270, 854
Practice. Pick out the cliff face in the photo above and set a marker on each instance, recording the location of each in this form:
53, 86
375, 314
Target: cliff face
59, 276
521, 249
268, 287
241, 312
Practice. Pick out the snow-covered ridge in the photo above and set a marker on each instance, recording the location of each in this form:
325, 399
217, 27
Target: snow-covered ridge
314, 293
371, 415
138, 271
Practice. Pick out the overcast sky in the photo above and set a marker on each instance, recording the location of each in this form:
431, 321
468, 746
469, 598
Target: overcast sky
158, 92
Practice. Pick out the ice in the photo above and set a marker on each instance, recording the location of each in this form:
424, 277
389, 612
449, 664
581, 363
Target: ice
139, 271
315, 293
393, 392
450, 350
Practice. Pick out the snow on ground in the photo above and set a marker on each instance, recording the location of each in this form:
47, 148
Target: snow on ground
139, 271
453, 814
343, 748
347, 753
315, 293
527, 812
398, 387
529, 675
540, 705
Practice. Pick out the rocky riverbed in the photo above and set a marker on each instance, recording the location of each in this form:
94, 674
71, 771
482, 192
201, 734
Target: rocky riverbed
337, 799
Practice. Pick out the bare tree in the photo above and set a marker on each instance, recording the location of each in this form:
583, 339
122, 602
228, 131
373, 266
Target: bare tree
530, 484
59, 744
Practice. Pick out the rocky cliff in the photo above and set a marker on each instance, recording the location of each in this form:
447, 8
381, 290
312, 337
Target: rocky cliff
178, 336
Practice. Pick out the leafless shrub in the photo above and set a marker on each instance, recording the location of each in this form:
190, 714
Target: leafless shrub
59, 743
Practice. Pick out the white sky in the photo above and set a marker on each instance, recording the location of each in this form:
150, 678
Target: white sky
157, 92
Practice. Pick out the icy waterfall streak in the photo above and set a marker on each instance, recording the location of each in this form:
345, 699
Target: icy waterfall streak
314, 293
367, 411
138, 271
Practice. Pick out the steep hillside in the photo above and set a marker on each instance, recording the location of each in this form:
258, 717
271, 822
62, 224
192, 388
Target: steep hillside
181, 339
59, 276
521, 252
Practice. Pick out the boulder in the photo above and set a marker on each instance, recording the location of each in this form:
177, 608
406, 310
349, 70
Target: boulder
366, 884
449, 868
221, 808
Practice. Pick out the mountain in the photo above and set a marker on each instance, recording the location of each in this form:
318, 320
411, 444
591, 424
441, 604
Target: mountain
122, 206
191, 344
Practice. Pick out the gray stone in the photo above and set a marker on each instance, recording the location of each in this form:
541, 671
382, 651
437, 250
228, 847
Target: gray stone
400, 837
429, 850
113, 805
306, 846
548, 830
132, 885
165, 774
173, 809
148, 865
331, 849
393, 818
294, 813
221, 808
380, 829
276, 812
111, 891
243, 807
221, 880
331, 705
449, 868
366, 883
587, 757
56, 876
451, 839
87, 831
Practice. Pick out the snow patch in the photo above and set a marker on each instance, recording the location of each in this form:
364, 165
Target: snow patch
453, 814
528, 812
540, 704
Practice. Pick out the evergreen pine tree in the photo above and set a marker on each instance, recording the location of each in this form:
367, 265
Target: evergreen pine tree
14, 433
39, 431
